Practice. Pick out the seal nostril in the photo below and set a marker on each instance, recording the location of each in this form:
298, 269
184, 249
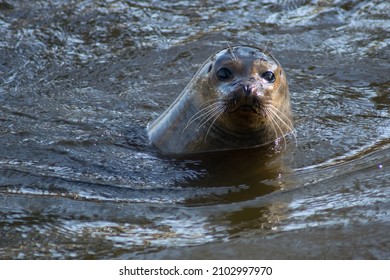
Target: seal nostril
247, 89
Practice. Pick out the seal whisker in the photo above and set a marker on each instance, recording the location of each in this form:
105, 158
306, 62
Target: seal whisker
210, 115
272, 123
271, 116
205, 112
230, 52
275, 112
216, 116
288, 124
208, 102
265, 47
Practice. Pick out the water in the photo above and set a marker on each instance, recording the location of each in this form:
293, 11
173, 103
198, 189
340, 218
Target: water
80, 81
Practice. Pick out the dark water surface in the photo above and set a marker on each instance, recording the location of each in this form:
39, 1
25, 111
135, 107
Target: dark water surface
80, 81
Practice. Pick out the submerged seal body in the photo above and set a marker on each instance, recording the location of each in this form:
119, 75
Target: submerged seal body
239, 98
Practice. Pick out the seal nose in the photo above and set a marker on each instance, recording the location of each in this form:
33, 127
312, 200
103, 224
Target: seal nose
247, 86
247, 89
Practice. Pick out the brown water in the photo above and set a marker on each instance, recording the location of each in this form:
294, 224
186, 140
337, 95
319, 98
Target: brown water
80, 81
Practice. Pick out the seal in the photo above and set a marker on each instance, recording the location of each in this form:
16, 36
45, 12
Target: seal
239, 98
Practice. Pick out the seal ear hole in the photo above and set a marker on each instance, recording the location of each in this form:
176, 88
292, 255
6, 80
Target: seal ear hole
224, 74
210, 67
268, 76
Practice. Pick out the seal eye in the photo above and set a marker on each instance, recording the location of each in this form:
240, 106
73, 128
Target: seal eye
268, 76
224, 74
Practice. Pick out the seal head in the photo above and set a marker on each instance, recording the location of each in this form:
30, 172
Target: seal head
239, 98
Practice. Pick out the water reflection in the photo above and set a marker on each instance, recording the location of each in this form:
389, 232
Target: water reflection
247, 173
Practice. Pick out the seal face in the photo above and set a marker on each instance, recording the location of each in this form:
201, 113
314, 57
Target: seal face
239, 98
